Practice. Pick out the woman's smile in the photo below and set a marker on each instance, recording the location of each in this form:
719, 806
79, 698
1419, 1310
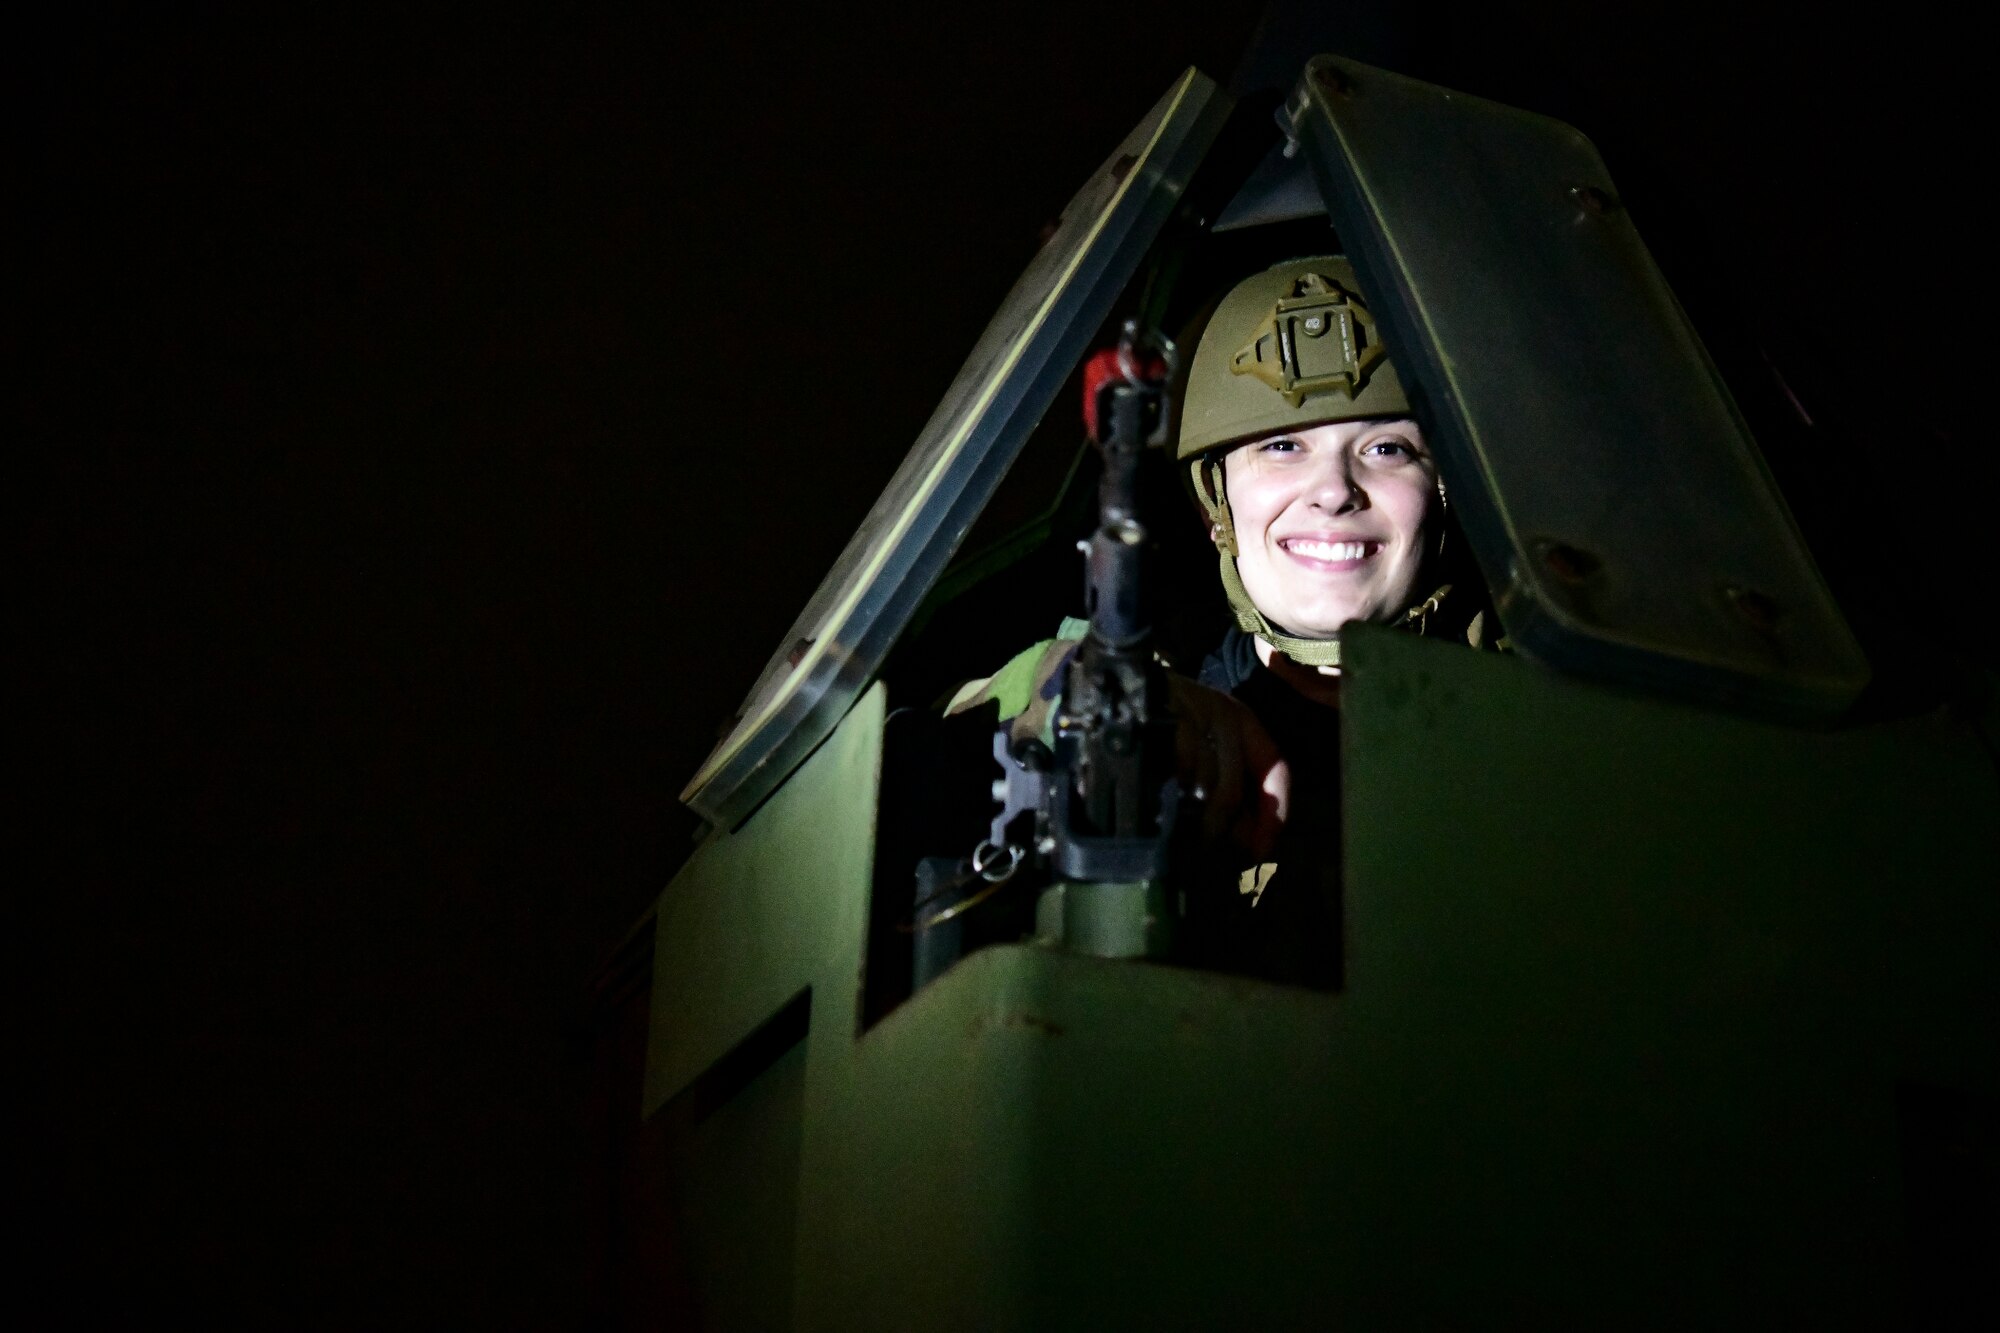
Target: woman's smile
1330, 555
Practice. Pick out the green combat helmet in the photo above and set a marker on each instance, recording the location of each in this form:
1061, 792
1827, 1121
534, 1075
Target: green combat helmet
1291, 348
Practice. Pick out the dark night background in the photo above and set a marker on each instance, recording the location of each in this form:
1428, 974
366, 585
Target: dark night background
433, 424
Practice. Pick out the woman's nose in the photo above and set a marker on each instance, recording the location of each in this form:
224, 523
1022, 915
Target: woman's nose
1335, 488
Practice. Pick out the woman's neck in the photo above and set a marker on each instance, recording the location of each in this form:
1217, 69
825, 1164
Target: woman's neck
1319, 684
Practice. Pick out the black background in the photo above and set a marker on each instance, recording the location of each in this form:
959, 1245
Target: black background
432, 425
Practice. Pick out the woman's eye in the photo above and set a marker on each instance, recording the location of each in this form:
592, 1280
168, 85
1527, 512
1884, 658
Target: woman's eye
1281, 445
1392, 447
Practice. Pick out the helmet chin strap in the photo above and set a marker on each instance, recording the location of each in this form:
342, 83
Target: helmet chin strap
1306, 652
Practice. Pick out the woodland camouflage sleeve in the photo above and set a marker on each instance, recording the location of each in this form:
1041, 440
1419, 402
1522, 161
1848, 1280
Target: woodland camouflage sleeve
1026, 689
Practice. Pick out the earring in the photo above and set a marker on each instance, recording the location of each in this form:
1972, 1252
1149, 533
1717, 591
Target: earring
1443, 499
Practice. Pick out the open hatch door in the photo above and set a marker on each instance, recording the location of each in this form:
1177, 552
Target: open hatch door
835, 647
1628, 526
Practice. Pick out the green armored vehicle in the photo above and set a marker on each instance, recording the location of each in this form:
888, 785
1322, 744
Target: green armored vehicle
1659, 984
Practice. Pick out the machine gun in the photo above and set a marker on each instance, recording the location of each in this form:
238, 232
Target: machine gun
1100, 808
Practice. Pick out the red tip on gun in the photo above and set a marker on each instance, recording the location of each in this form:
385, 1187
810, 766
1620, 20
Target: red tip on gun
1109, 368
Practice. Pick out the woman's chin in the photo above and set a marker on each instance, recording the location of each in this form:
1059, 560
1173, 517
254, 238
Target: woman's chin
1311, 627
1325, 619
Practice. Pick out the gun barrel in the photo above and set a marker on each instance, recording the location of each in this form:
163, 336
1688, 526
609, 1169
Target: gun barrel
1116, 592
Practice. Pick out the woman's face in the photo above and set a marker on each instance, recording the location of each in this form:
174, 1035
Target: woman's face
1332, 523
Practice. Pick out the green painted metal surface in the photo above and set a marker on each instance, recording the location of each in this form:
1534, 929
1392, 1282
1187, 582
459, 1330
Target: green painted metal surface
1633, 994
758, 915
736, 1168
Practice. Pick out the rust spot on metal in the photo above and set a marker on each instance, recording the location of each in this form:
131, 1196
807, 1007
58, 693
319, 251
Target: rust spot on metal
1759, 610
1035, 1021
1334, 80
1592, 200
1571, 564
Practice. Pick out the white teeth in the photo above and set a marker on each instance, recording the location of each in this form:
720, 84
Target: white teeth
1329, 551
